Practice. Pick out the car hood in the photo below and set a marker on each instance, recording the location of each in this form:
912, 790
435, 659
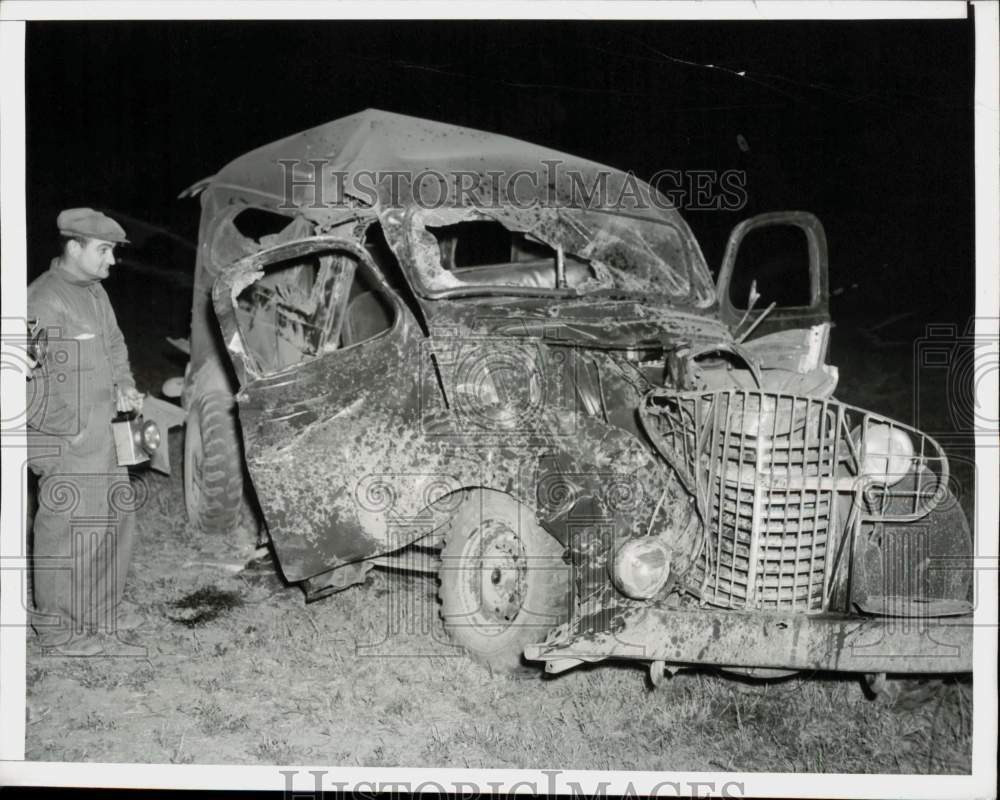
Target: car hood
594, 323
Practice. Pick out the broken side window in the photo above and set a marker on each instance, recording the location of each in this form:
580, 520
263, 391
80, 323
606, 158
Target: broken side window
774, 258
308, 305
257, 224
248, 230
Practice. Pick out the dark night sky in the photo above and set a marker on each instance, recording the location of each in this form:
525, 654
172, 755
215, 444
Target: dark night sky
867, 124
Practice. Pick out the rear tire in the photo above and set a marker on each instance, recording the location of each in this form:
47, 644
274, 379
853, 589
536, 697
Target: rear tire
213, 465
504, 584
908, 693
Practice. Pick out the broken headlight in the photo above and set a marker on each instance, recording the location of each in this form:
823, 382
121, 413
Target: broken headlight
641, 567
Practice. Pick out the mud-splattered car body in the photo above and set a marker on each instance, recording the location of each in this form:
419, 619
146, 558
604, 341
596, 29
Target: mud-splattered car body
390, 356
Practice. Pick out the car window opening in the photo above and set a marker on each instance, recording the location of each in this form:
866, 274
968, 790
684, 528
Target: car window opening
774, 259
258, 223
306, 306
485, 253
253, 229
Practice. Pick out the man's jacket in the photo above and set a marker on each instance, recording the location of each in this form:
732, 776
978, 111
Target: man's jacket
86, 356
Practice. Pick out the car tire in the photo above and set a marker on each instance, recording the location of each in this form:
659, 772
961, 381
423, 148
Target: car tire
907, 693
213, 465
503, 581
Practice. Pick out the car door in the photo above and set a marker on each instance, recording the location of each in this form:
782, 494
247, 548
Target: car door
773, 291
781, 257
325, 354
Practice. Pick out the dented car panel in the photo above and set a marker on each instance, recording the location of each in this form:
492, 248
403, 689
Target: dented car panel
593, 324
320, 432
668, 637
807, 519
714, 503
352, 451
639, 247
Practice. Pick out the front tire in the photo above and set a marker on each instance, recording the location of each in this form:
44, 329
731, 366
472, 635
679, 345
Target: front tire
504, 584
213, 465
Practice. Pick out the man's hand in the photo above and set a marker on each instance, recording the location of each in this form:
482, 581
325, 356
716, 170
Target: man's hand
128, 399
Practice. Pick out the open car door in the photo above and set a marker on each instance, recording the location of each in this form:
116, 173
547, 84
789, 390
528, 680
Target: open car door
773, 289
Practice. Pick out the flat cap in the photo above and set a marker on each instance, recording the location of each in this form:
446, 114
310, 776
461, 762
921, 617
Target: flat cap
90, 224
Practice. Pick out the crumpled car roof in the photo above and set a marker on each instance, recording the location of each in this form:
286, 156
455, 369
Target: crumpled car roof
657, 240
383, 141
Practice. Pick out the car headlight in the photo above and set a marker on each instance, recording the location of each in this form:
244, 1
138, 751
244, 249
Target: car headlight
886, 453
641, 567
150, 436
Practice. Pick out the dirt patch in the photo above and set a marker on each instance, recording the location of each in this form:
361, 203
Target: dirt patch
203, 605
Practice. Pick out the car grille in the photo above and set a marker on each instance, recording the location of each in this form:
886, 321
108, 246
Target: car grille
772, 474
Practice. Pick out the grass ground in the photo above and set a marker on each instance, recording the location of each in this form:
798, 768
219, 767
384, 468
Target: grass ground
366, 677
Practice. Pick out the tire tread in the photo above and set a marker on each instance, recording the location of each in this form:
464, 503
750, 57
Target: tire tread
221, 466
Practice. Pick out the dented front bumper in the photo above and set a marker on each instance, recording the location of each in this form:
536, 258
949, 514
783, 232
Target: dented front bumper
723, 638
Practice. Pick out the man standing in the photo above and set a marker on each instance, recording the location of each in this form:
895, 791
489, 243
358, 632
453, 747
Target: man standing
85, 525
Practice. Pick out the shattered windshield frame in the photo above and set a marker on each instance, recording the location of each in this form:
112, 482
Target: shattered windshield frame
623, 254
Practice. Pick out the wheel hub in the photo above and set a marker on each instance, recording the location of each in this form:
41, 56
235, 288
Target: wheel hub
501, 573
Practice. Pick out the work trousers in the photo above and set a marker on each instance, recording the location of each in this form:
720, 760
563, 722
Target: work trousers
84, 529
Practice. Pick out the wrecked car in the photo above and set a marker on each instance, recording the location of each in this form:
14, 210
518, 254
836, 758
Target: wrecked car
548, 403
